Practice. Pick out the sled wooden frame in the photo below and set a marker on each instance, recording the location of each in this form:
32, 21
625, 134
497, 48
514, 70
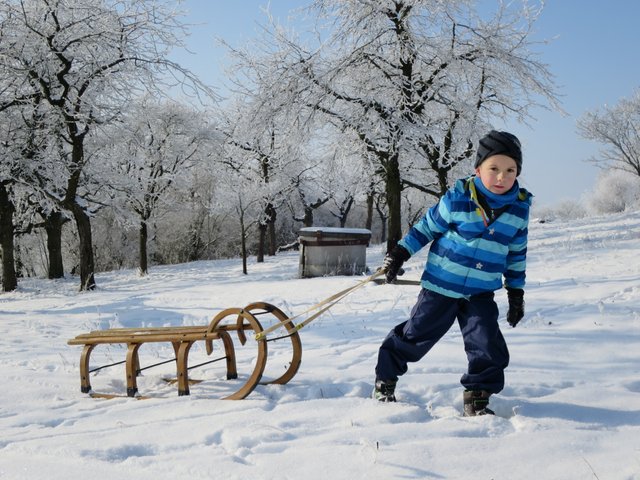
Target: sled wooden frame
183, 338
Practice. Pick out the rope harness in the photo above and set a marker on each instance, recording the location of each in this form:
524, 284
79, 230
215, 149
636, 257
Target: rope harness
321, 307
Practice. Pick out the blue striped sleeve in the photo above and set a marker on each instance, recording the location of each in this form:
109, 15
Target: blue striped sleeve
515, 274
431, 226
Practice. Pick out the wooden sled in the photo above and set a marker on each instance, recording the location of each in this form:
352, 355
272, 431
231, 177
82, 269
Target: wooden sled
231, 320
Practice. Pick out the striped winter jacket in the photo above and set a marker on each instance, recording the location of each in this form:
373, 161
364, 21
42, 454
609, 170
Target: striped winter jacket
469, 256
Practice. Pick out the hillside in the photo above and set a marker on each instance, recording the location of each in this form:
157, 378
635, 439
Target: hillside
570, 410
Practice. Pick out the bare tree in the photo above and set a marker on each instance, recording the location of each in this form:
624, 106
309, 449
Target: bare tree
618, 129
260, 149
20, 146
30, 141
266, 167
414, 82
9, 278
349, 174
311, 191
155, 147
84, 60
243, 206
7, 207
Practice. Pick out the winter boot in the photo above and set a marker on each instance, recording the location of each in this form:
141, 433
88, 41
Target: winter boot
476, 403
384, 391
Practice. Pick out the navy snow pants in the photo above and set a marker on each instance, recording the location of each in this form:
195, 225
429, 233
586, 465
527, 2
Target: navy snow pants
431, 317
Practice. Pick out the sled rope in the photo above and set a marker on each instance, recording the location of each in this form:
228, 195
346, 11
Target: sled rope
321, 307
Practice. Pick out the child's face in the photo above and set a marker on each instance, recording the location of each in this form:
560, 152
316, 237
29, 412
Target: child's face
498, 173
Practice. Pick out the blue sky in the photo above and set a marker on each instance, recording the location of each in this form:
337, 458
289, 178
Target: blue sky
594, 57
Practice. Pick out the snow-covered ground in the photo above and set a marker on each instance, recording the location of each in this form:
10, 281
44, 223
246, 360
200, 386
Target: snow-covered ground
570, 410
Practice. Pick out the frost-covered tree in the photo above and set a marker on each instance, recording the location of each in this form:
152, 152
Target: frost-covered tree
615, 191
83, 60
7, 207
156, 147
415, 82
310, 193
22, 145
564, 210
349, 174
245, 205
33, 147
262, 149
331, 175
617, 128
9, 278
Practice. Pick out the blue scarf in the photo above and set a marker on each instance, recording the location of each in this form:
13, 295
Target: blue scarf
495, 200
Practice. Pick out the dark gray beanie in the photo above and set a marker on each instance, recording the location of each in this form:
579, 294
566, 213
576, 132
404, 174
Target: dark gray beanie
496, 143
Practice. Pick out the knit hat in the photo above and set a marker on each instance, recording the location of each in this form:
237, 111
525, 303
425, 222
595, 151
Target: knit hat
496, 143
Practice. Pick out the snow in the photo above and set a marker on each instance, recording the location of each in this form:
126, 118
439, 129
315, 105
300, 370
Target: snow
336, 230
570, 409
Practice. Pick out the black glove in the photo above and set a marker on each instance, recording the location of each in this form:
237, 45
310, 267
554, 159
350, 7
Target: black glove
516, 305
393, 261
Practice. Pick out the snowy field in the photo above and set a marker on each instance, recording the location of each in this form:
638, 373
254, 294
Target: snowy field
570, 410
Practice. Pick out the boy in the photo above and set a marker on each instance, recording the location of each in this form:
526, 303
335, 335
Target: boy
478, 235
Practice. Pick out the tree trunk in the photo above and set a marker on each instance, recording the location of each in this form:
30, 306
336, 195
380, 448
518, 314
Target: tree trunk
87, 269
345, 208
443, 180
383, 219
369, 222
9, 278
383, 228
267, 231
243, 244
53, 226
272, 232
262, 240
394, 200
143, 254
308, 217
